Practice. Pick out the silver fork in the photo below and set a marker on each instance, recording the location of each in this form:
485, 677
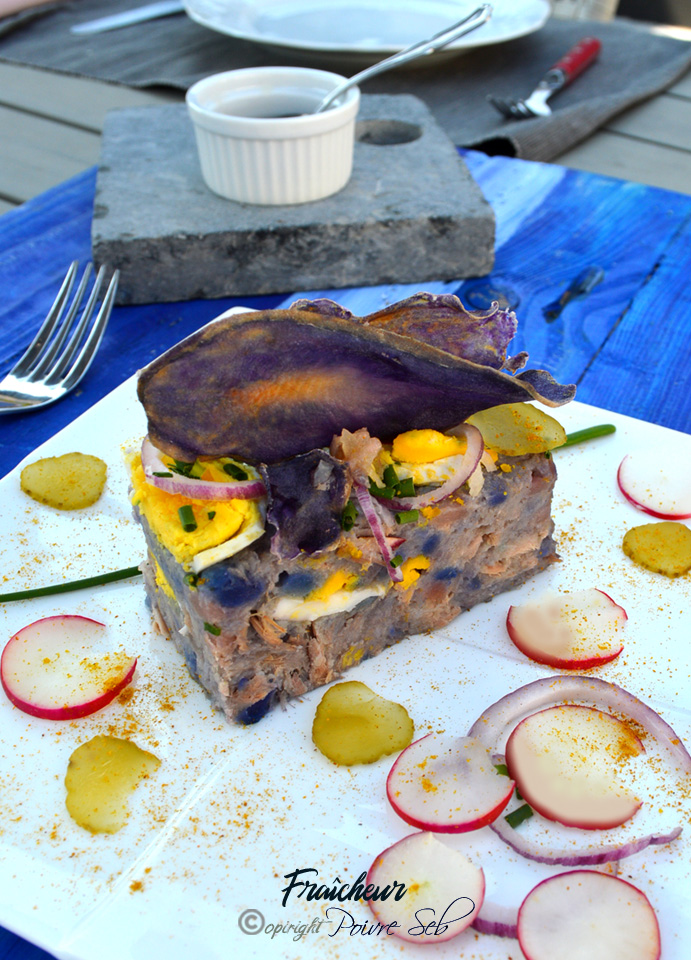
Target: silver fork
53, 365
564, 72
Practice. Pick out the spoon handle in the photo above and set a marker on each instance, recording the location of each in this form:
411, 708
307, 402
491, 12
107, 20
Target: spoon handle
420, 49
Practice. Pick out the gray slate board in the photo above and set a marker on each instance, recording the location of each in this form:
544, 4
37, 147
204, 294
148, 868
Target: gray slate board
411, 212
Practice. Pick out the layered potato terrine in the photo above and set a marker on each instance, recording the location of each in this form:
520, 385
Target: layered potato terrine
311, 491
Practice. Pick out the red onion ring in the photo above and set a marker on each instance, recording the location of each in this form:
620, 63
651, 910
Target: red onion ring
467, 466
497, 920
195, 488
503, 715
369, 509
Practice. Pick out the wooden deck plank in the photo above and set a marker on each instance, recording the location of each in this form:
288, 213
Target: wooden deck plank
665, 120
615, 155
682, 88
36, 153
76, 101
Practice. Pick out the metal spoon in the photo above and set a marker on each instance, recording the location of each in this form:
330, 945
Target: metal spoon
420, 49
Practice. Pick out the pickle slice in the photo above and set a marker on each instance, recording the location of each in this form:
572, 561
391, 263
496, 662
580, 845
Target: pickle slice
353, 724
661, 547
101, 775
515, 429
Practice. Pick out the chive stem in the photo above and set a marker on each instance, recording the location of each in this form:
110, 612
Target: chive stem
71, 585
407, 516
517, 816
187, 520
589, 433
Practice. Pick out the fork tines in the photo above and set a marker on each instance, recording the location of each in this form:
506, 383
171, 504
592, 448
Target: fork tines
64, 347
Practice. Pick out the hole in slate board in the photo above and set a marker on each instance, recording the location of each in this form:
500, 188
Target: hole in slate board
383, 133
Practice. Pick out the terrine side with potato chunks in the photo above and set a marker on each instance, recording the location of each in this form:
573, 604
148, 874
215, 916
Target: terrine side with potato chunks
314, 487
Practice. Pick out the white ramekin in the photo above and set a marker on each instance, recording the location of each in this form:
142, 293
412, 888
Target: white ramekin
251, 151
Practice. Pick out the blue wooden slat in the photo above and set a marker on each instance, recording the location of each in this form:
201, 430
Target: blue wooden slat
585, 222
644, 367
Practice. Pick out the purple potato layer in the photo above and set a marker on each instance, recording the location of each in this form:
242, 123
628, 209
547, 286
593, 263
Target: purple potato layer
222, 622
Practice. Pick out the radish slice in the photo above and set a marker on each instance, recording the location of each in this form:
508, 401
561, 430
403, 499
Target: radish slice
444, 890
657, 482
574, 631
663, 770
447, 785
160, 475
50, 669
584, 913
567, 762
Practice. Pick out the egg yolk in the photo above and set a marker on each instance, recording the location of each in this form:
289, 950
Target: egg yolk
339, 580
425, 446
217, 520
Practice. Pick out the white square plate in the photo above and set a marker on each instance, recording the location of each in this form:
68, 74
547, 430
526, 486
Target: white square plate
232, 810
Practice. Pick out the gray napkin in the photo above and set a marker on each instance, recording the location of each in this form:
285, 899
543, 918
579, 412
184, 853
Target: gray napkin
176, 52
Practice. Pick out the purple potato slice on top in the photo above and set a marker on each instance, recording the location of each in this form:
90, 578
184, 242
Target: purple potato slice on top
267, 385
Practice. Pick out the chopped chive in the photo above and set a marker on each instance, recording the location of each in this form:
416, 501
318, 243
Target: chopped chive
182, 467
72, 585
162, 473
348, 516
590, 433
386, 493
236, 472
192, 580
502, 769
187, 520
211, 514
548, 455
390, 476
406, 488
517, 816
396, 561
212, 628
407, 516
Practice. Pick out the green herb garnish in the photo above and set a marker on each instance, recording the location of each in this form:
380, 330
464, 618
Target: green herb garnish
406, 488
183, 467
212, 628
211, 514
502, 769
517, 816
407, 516
71, 585
396, 561
348, 516
590, 433
390, 476
236, 472
192, 580
162, 473
386, 493
187, 520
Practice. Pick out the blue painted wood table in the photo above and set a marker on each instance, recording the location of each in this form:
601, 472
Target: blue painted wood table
596, 269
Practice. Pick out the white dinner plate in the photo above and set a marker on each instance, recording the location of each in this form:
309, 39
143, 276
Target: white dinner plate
232, 810
367, 29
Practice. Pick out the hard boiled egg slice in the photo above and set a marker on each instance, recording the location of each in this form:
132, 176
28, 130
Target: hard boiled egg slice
336, 595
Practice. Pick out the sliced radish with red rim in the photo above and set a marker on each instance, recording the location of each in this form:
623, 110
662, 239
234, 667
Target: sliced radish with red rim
567, 762
447, 785
61, 668
586, 914
657, 482
444, 890
570, 631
